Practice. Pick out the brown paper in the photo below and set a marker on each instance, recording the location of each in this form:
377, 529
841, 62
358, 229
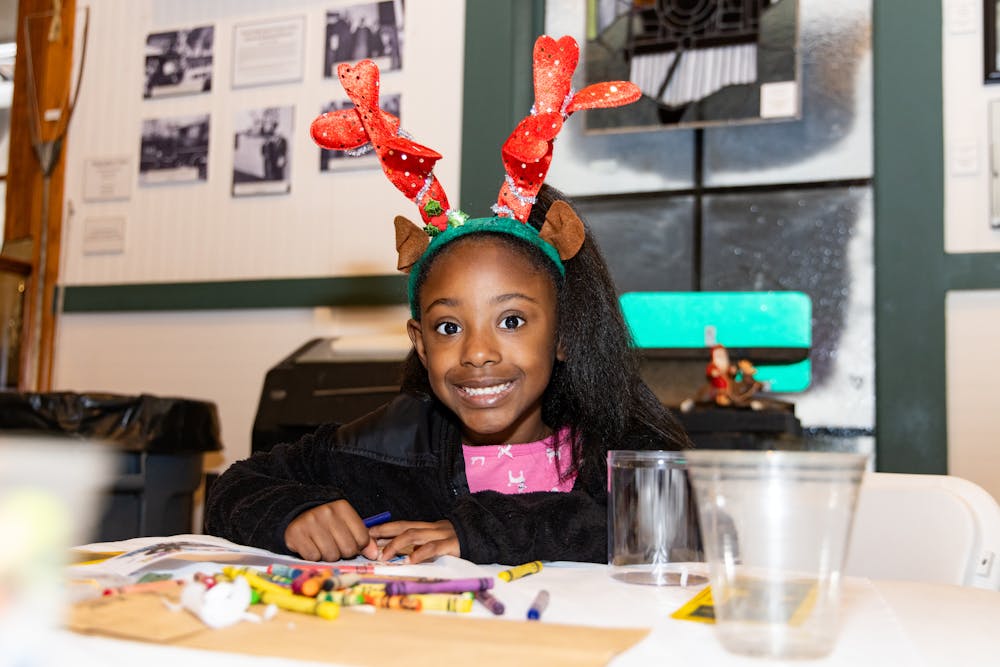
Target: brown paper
363, 638
139, 616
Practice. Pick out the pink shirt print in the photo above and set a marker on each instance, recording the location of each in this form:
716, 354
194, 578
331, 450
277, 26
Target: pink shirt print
523, 468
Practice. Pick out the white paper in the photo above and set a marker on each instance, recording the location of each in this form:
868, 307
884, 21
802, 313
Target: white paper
107, 178
104, 236
268, 51
962, 16
964, 159
146, 553
779, 99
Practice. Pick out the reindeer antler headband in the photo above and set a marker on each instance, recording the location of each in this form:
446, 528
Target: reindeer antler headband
526, 155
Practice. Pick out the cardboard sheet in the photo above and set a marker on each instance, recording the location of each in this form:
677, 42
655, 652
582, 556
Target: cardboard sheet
360, 637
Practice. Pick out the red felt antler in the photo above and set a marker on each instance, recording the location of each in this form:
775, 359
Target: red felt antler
407, 164
527, 153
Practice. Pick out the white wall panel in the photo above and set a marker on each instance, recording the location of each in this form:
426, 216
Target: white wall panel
331, 224
966, 131
972, 332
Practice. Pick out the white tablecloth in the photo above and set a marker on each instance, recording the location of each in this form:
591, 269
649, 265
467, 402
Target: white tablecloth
883, 623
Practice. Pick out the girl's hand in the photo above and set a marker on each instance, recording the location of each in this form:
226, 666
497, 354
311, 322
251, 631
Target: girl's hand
330, 532
427, 540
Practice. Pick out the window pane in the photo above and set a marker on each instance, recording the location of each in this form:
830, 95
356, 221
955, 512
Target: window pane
818, 242
833, 139
646, 240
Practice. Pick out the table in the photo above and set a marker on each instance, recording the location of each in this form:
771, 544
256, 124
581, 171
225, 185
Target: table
883, 622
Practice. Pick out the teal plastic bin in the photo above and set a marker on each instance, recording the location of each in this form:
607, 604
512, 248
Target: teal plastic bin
771, 329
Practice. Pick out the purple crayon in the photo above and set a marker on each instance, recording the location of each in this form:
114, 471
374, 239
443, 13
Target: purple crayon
490, 602
448, 586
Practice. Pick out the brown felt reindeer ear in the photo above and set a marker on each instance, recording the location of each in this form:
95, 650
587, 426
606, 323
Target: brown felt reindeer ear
411, 242
563, 230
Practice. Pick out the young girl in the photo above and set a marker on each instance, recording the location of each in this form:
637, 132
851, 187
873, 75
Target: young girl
520, 380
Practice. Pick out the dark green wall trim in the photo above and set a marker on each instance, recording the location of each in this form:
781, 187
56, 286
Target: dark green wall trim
279, 293
498, 91
910, 266
973, 271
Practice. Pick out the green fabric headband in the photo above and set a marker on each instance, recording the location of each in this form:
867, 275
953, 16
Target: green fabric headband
509, 226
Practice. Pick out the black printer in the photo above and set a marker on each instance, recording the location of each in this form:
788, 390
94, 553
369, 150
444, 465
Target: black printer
319, 383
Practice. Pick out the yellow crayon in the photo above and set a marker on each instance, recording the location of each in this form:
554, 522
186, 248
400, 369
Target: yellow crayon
368, 589
302, 604
444, 602
521, 571
256, 582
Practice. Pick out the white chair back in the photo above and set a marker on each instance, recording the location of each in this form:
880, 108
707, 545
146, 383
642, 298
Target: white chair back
934, 528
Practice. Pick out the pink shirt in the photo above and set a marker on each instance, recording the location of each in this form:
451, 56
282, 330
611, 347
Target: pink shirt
532, 466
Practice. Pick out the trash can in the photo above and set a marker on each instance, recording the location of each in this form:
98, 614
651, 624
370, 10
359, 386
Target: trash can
160, 443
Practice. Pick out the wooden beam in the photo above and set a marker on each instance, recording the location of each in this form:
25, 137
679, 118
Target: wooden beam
38, 121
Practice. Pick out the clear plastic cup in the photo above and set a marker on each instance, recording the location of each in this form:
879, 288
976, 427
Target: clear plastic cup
776, 527
653, 535
49, 494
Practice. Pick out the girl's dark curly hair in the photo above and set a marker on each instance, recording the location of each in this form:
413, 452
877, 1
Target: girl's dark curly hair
597, 390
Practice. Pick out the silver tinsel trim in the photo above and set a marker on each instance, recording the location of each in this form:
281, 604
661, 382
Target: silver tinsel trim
516, 192
368, 148
502, 211
569, 98
427, 186
360, 150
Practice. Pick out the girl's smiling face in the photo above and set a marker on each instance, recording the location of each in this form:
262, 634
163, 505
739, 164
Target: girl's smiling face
487, 337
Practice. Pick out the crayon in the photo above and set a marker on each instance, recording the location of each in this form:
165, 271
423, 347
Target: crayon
302, 604
293, 572
308, 584
145, 587
256, 581
366, 589
232, 571
343, 598
490, 602
448, 586
377, 519
521, 571
407, 602
538, 606
375, 579
311, 583
364, 568
444, 602
290, 572
335, 582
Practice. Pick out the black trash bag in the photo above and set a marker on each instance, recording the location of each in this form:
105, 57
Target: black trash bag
141, 423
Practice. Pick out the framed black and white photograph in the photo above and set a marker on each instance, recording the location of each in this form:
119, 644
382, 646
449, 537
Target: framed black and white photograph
364, 157
262, 151
698, 63
266, 52
372, 30
991, 69
994, 130
174, 150
179, 62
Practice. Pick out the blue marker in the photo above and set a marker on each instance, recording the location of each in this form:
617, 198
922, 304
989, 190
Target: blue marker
375, 520
538, 606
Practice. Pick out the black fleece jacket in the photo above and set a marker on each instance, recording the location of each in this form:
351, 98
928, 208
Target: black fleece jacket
406, 458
